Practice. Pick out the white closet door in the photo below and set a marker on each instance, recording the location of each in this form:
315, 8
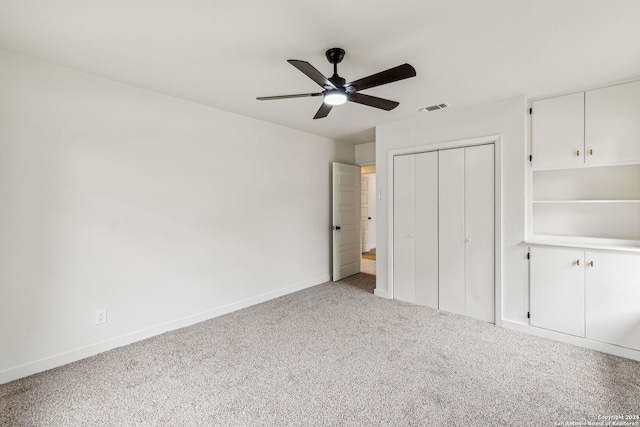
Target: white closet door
404, 210
451, 231
479, 227
426, 226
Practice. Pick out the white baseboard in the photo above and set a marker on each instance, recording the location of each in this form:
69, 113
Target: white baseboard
570, 339
93, 349
381, 293
368, 247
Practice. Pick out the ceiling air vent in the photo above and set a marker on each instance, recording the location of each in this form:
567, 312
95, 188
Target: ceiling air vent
434, 107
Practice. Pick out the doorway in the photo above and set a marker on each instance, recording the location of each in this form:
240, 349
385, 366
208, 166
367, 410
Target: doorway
368, 219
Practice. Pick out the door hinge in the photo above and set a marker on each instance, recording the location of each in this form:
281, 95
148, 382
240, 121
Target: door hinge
528, 255
530, 158
528, 315
530, 110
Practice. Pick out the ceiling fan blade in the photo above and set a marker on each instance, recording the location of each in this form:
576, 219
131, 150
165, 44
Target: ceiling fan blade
311, 72
391, 75
323, 111
300, 95
373, 101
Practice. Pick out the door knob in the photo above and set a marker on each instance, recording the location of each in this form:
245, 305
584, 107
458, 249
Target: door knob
337, 227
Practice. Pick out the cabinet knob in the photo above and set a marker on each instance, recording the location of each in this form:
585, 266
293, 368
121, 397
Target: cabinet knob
591, 263
411, 236
591, 152
577, 262
469, 240
578, 153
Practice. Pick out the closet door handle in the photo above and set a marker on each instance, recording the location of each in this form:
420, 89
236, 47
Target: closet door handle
577, 262
591, 263
577, 153
591, 152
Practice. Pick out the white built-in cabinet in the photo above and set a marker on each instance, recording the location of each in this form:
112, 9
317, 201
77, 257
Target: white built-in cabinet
590, 294
443, 221
584, 215
585, 168
595, 127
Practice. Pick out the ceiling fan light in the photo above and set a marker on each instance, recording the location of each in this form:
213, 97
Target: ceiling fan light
335, 97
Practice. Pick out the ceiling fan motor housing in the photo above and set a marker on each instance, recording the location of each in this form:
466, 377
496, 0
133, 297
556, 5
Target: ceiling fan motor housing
335, 55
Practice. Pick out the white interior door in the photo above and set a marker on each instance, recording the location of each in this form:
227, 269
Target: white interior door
371, 211
364, 211
346, 220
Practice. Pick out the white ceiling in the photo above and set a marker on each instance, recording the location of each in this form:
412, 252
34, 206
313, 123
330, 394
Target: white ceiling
224, 53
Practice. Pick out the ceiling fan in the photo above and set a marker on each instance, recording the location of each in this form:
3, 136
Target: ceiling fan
336, 89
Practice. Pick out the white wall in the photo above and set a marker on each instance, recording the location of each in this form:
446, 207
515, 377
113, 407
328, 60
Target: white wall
366, 154
163, 211
506, 118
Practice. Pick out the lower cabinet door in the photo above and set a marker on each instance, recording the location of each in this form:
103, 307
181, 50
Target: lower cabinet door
557, 290
613, 298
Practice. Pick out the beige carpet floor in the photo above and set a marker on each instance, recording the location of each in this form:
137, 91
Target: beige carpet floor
331, 355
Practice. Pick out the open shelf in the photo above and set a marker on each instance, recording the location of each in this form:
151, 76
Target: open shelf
624, 245
587, 207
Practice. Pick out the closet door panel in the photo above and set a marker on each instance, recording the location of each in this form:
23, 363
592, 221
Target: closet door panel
426, 235
479, 227
451, 236
404, 207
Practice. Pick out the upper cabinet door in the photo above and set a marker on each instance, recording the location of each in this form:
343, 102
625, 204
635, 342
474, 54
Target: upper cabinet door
557, 131
612, 131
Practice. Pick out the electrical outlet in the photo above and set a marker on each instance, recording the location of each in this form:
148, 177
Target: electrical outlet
101, 316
